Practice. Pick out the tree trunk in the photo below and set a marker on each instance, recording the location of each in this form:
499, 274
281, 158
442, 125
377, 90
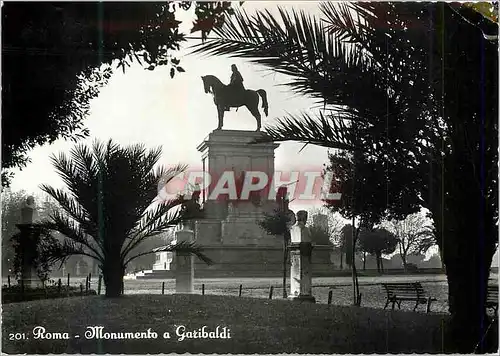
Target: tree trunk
467, 249
402, 253
341, 260
443, 267
285, 260
113, 273
467, 284
355, 282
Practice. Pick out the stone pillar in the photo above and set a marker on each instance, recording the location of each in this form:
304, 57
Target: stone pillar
28, 243
300, 258
184, 264
77, 268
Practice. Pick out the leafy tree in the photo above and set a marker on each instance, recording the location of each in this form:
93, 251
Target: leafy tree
319, 234
366, 194
378, 242
434, 261
333, 232
31, 249
427, 84
275, 223
366, 189
415, 234
335, 223
109, 208
58, 57
347, 247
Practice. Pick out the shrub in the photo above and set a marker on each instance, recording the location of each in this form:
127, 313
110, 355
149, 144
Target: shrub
15, 293
411, 267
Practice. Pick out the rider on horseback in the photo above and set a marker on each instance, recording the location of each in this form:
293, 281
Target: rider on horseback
235, 85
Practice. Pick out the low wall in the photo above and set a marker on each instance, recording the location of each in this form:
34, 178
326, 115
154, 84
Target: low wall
254, 261
247, 261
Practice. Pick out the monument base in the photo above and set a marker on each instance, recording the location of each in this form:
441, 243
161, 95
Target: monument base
240, 261
246, 261
303, 298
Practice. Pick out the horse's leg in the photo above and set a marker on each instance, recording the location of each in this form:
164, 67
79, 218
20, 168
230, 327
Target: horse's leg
254, 110
220, 112
253, 106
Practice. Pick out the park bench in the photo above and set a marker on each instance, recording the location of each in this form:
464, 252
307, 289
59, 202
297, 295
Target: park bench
492, 298
414, 292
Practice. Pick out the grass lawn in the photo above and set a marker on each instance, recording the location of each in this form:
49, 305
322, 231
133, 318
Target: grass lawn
373, 294
256, 326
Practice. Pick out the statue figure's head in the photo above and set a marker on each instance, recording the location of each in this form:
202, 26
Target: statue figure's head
301, 217
234, 68
206, 85
30, 201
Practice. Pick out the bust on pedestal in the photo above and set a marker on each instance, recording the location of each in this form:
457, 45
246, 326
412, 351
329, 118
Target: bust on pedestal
300, 257
27, 242
184, 263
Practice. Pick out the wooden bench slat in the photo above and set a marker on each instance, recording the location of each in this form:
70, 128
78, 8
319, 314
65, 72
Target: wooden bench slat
408, 291
492, 298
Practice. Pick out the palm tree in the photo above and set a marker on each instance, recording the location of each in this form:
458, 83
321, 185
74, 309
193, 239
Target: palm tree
109, 207
378, 70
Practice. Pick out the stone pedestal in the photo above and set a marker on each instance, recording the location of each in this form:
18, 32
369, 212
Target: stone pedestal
301, 272
229, 232
208, 232
231, 151
184, 264
28, 242
29, 277
300, 257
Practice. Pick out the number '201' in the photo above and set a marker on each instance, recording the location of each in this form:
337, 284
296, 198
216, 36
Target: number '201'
17, 336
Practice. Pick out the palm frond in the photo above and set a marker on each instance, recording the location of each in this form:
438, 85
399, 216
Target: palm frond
298, 46
65, 169
71, 230
84, 162
164, 176
325, 130
153, 222
80, 175
60, 252
72, 209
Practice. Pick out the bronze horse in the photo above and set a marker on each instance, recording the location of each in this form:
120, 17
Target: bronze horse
223, 97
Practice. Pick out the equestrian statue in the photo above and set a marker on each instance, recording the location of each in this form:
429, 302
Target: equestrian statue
235, 95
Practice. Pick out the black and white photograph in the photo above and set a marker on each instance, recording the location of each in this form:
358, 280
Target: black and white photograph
249, 177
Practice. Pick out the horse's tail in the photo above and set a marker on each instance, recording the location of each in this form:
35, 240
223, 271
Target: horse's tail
263, 95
